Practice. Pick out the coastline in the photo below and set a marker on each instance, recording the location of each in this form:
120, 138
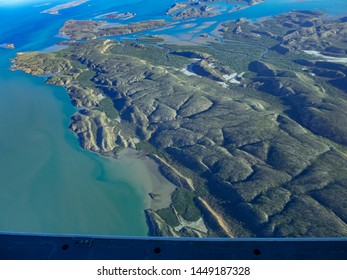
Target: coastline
156, 193
160, 187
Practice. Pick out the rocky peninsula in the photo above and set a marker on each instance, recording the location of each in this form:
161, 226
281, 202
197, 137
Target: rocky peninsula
200, 9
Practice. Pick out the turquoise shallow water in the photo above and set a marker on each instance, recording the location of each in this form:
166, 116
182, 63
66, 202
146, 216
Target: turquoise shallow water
47, 182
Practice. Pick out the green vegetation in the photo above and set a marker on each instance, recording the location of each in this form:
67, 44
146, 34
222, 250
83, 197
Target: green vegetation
146, 147
106, 105
85, 78
168, 215
183, 201
155, 55
88, 29
150, 40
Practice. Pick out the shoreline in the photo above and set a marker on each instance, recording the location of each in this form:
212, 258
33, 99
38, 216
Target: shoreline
160, 187
155, 195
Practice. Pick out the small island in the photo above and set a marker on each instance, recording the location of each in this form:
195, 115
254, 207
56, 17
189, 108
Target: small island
55, 10
7, 46
186, 10
116, 15
202, 8
88, 29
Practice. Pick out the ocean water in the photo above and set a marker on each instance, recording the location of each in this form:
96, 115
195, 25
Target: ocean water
48, 184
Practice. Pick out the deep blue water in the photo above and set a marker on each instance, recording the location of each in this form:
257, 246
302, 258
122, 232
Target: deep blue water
47, 182
34, 31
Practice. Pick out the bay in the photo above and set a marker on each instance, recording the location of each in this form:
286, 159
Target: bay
48, 184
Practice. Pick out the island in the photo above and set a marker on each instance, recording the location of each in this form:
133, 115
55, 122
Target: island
55, 10
199, 9
251, 130
7, 46
116, 15
88, 29
191, 10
